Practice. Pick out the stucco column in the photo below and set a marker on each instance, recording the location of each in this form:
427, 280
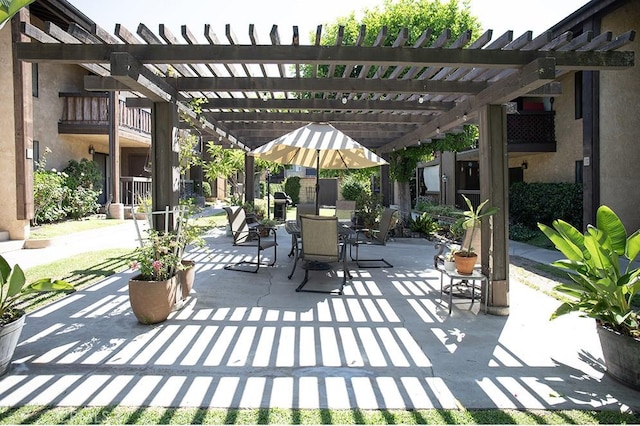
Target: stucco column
494, 182
116, 208
165, 174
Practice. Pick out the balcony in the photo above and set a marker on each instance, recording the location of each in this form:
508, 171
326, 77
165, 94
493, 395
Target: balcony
89, 114
531, 131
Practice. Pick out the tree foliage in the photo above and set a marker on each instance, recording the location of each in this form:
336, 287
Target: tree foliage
416, 16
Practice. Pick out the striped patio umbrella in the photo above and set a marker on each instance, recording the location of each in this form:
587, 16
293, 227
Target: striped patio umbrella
320, 146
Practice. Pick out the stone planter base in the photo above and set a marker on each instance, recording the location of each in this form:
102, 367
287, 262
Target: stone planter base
9, 336
621, 355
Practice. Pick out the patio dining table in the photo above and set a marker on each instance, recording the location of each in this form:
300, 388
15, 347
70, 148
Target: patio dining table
293, 228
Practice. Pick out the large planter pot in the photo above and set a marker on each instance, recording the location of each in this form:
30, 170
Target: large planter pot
152, 301
465, 264
621, 356
187, 277
9, 336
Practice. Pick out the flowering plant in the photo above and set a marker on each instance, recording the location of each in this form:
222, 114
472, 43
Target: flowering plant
159, 257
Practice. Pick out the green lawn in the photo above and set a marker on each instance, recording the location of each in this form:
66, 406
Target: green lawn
124, 415
52, 230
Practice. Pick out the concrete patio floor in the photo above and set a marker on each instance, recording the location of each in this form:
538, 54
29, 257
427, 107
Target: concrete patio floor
249, 340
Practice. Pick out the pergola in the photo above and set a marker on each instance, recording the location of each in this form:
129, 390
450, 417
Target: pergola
387, 96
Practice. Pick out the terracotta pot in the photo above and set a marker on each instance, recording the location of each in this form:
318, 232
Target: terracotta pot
9, 336
187, 277
621, 356
465, 264
152, 301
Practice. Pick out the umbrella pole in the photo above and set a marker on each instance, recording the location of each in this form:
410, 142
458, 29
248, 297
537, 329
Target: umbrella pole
318, 182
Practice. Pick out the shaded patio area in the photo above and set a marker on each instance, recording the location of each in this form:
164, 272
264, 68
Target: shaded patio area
249, 340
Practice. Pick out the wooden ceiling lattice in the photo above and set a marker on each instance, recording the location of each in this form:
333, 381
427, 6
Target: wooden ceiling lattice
385, 96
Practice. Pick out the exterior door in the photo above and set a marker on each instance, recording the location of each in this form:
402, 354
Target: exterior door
102, 160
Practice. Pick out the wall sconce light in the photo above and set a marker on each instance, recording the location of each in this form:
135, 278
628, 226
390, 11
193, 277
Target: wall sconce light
420, 100
438, 130
344, 100
524, 165
464, 117
445, 177
92, 150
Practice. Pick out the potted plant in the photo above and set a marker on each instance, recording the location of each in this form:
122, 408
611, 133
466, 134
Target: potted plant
13, 287
600, 264
466, 257
266, 226
152, 293
450, 260
368, 210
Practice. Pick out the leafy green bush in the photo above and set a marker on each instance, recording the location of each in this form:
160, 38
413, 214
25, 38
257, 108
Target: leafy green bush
531, 203
80, 202
424, 223
83, 174
206, 189
352, 188
519, 232
48, 194
292, 188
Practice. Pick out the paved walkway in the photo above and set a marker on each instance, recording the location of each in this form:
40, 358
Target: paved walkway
249, 340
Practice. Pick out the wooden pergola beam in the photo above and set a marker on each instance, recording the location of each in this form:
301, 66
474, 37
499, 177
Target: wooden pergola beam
534, 75
318, 55
277, 84
344, 117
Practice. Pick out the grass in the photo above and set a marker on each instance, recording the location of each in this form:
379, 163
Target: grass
82, 270
151, 415
52, 230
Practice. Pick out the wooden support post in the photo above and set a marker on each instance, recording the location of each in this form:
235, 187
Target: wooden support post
249, 178
494, 180
165, 174
23, 107
114, 147
385, 186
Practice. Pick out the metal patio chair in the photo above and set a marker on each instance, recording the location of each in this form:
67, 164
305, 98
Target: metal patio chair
367, 237
245, 235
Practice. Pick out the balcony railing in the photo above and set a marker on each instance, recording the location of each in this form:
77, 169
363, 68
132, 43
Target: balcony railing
90, 114
133, 190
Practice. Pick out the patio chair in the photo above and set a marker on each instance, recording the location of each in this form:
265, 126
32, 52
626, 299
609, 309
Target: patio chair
244, 235
320, 243
378, 237
301, 209
345, 210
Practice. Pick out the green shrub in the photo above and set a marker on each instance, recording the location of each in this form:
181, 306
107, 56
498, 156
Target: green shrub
83, 174
80, 202
292, 188
424, 223
206, 189
519, 232
533, 203
48, 194
352, 188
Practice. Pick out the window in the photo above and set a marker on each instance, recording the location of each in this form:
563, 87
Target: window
578, 172
577, 83
34, 81
36, 154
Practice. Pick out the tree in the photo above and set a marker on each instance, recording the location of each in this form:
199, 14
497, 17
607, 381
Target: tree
228, 163
416, 16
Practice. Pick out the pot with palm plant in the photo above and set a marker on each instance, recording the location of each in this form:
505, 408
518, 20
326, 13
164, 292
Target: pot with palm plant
13, 289
605, 285
466, 257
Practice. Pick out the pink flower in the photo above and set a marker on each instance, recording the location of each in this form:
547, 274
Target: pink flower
156, 265
134, 265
